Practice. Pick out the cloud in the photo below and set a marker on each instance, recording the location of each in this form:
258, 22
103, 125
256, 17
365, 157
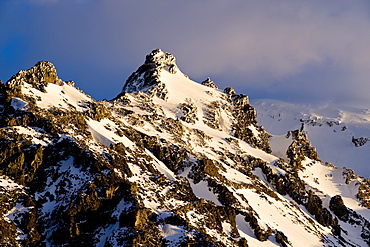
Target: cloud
283, 49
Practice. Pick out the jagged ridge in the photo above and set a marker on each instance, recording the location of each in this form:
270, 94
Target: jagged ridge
148, 169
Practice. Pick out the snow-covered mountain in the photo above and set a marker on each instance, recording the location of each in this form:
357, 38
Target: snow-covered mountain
341, 134
168, 162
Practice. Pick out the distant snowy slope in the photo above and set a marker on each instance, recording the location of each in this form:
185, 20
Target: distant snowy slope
330, 129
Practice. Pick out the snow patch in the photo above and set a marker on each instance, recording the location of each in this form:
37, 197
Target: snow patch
18, 104
8, 184
201, 189
62, 96
279, 145
103, 135
162, 167
255, 132
172, 233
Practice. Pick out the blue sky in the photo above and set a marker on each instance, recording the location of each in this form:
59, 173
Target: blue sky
296, 51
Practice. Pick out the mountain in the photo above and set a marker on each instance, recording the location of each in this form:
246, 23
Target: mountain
341, 134
168, 162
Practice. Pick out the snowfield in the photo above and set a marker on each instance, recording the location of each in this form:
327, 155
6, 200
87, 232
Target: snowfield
329, 128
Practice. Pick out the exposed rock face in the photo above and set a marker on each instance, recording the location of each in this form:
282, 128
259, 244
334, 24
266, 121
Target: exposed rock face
38, 76
348, 215
159, 59
358, 142
300, 149
140, 171
12, 196
246, 126
209, 83
147, 74
338, 208
188, 111
229, 91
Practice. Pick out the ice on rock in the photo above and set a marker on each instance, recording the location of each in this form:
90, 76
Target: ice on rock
18, 104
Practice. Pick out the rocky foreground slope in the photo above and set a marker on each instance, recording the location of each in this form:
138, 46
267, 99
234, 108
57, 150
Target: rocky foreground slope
168, 162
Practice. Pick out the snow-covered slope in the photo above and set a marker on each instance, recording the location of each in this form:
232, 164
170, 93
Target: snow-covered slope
168, 162
340, 134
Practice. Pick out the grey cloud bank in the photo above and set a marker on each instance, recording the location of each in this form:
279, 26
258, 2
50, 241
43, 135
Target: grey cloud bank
289, 50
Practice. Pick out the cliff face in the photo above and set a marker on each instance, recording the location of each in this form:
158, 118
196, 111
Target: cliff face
168, 162
148, 74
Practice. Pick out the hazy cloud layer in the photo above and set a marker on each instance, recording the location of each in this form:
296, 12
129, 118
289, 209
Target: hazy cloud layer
289, 50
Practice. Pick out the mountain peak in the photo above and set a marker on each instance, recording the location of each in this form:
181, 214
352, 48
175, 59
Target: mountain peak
160, 59
147, 74
39, 75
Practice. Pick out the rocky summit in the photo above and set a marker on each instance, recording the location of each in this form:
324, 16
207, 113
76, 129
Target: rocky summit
168, 162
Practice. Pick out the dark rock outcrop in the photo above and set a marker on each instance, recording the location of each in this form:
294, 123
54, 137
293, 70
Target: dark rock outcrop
209, 83
245, 125
147, 74
300, 149
38, 76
